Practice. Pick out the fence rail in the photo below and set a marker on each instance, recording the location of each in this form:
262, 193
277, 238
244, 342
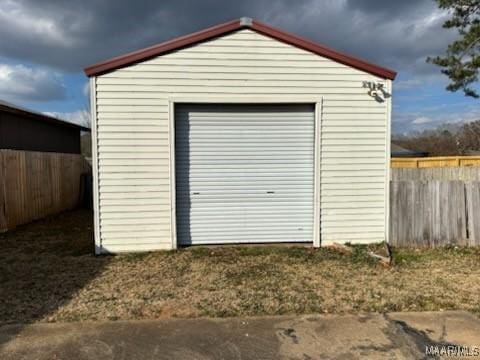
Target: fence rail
435, 162
37, 184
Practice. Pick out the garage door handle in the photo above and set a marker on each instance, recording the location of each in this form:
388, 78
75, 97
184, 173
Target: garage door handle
270, 192
196, 193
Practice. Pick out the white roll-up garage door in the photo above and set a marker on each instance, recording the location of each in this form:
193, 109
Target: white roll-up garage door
244, 173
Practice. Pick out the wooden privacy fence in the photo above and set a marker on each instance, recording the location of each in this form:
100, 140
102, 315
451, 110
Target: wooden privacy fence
435, 162
449, 173
37, 184
434, 213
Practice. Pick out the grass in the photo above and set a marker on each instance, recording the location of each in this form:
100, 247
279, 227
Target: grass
48, 273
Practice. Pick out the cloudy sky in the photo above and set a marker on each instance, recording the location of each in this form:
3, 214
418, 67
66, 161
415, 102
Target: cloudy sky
46, 44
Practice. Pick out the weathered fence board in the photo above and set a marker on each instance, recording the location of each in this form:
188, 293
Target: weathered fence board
37, 184
473, 211
434, 213
452, 173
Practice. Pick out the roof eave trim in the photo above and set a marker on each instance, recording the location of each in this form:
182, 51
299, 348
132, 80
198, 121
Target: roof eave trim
156, 50
231, 26
324, 51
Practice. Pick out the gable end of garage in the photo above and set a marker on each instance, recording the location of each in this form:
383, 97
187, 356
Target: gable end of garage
229, 27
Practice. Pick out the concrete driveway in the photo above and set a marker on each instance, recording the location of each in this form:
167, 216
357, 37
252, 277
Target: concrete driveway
373, 336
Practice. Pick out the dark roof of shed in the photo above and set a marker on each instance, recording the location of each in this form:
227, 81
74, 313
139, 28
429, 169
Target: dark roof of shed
228, 27
17, 110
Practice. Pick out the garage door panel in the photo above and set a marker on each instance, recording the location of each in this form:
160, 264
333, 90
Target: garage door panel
209, 208
225, 175
257, 219
244, 239
247, 199
242, 154
247, 225
241, 188
258, 164
254, 176
244, 173
226, 142
229, 170
255, 136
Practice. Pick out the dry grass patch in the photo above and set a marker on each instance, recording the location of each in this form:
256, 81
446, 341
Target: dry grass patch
48, 273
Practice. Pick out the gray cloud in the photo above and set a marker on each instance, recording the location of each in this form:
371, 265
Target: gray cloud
79, 117
393, 7
72, 35
20, 83
67, 36
433, 116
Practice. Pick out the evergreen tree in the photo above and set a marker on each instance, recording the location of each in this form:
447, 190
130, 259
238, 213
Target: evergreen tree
461, 63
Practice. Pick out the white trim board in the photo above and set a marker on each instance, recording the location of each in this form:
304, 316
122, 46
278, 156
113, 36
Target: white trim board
95, 169
246, 99
387, 160
317, 179
173, 189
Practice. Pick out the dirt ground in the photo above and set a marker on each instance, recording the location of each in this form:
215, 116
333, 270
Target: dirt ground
48, 273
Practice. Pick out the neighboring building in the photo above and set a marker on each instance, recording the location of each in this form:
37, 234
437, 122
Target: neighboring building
22, 129
240, 133
41, 169
399, 152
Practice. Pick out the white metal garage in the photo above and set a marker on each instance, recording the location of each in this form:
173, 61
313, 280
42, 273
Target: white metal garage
239, 133
244, 173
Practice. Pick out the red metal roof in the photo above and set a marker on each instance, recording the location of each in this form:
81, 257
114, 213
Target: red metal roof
228, 27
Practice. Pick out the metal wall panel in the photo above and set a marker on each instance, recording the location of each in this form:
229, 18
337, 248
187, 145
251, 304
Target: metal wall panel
244, 173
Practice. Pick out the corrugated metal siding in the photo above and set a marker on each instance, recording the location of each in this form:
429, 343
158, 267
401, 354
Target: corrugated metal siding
244, 173
132, 117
